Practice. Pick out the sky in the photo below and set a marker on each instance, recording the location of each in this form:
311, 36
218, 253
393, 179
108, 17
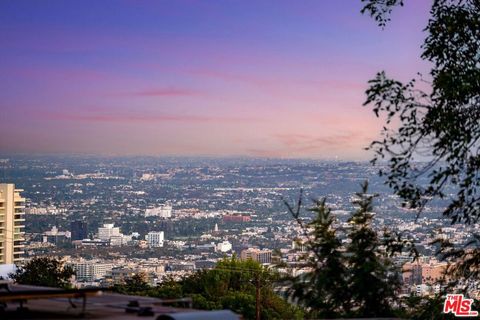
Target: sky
198, 78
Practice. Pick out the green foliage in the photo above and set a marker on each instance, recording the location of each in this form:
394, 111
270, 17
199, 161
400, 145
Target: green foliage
430, 308
440, 126
359, 280
44, 271
419, 308
372, 279
240, 302
324, 290
169, 289
230, 285
135, 285
200, 302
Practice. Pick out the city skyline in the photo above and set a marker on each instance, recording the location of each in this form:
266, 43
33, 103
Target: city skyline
195, 78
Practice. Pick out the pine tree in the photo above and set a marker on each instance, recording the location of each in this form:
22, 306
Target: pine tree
372, 282
324, 290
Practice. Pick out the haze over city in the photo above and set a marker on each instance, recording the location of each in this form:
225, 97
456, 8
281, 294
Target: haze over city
225, 78
239, 159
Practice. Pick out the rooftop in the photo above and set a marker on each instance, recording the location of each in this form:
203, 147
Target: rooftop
32, 302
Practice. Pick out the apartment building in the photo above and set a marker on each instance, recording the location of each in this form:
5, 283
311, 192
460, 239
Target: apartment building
12, 224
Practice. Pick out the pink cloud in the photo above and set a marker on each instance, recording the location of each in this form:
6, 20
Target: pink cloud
307, 142
265, 153
220, 75
342, 85
59, 74
286, 82
296, 145
136, 118
166, 92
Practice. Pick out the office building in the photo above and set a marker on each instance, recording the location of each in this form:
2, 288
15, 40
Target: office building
78, 230
155, 239
91, 270
261, 256
108, 231
56, 236
162, 211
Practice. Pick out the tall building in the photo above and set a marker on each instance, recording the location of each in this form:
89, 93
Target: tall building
78, 230
416, 273
162, 211
261, 256
12, 224
91, 270
412, 273
108, 231
224, 246
155, 239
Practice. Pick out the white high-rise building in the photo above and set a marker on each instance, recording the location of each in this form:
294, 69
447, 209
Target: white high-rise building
12, 224
91, 270
224, 246
162, 211
108, 231
155, 239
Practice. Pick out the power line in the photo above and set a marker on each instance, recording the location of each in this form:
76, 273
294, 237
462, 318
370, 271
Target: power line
257, 283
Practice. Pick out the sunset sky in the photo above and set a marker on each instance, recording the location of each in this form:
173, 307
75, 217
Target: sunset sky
213, 78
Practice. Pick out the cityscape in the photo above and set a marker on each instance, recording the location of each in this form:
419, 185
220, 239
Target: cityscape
113, 217
239, 159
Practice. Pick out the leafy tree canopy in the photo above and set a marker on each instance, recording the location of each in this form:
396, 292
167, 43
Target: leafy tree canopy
232, 284
442, 126
134, 285
44, 271
431, 140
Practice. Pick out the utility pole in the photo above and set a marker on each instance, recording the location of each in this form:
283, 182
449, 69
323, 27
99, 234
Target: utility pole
257, 296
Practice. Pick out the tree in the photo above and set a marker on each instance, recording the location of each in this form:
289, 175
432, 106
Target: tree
44, 271
372, 279
235, 284
169, 289
442, 126
324, 290
357, 280
137, 284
